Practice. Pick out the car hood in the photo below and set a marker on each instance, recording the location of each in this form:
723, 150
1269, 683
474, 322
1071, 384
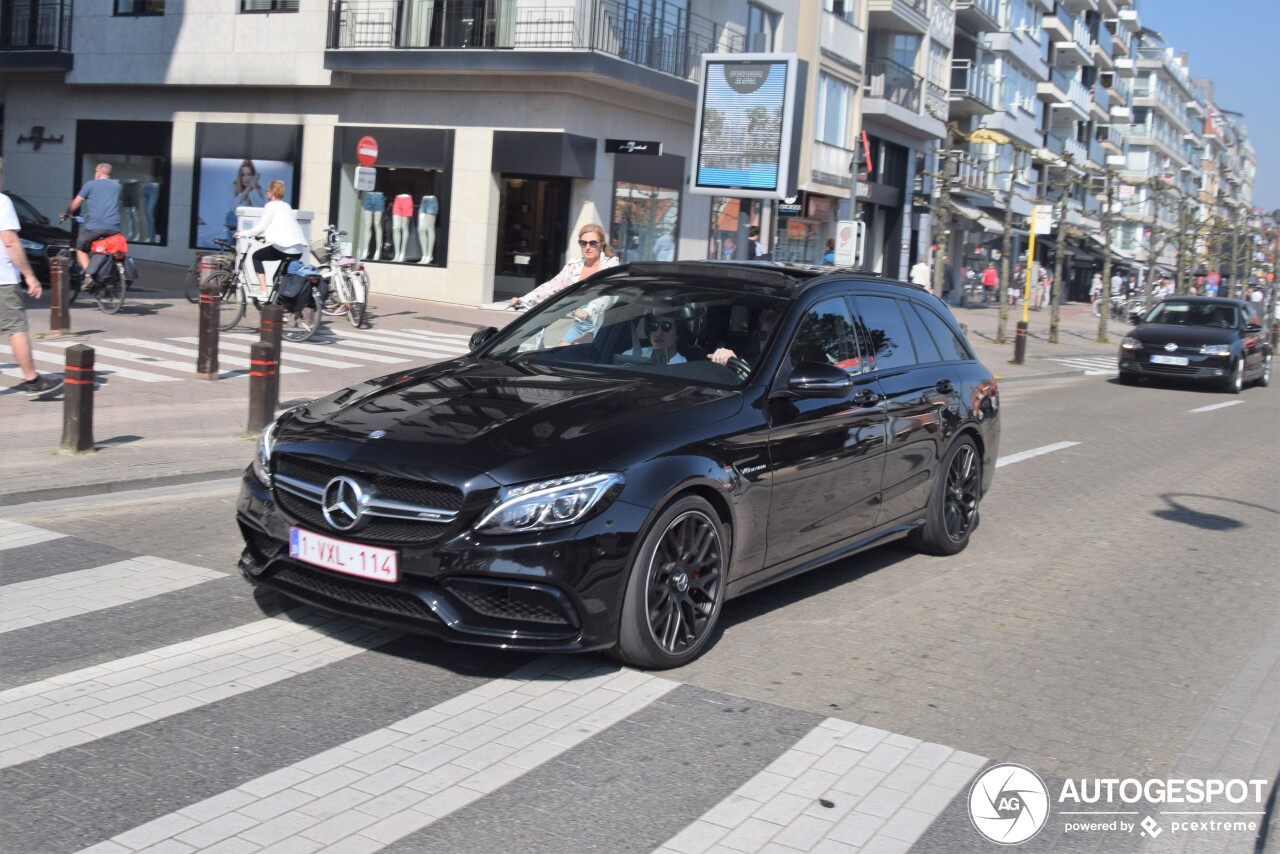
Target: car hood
450, 422
1184, 336
50, 235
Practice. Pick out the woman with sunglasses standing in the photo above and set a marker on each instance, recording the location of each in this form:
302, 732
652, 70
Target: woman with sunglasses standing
596, 256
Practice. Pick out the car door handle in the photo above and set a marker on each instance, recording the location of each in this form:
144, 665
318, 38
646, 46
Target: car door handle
866, 397
944, 386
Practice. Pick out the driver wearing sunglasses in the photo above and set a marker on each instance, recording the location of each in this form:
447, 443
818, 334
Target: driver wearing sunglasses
664, 340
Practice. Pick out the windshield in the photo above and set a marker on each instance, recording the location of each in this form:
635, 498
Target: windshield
1176, 313
25, 212
706, 334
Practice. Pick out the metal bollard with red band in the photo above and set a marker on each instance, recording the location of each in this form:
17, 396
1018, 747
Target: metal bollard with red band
77, 399
207, 349
264, 386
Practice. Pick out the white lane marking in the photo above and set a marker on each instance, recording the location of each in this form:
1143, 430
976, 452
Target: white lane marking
314, 361
194, 354
1034, 452
363, 343
398, 344
1093, 366
76, 708
188, 368
879, 788
460, 337
60, 360
1214, 406
308, 348
397, 780
69, 594
15, 535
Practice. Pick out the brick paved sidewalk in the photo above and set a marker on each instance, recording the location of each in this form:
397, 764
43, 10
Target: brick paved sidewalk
152, 434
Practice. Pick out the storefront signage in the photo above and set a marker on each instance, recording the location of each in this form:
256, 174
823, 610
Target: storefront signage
742, 136
364, 178
820, 208
791, 205
37, 136
632, 146
367, 151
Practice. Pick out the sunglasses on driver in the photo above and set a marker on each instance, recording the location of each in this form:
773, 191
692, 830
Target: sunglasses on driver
655, 325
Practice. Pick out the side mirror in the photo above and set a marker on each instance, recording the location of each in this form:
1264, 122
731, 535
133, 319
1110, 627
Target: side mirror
815, 379
480, 336
1252, 327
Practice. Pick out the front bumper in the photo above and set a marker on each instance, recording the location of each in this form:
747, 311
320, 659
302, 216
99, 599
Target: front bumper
559, 591
1199, 368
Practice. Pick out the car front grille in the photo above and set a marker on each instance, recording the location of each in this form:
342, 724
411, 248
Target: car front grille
1181, 370
340, 590
315, 475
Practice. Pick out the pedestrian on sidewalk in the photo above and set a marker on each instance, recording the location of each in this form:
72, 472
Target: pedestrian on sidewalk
15, 270
990, 281
920, 274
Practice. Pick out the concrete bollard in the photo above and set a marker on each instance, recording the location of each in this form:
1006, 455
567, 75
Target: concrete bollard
207, 349
59, 296
77, 399
264, 386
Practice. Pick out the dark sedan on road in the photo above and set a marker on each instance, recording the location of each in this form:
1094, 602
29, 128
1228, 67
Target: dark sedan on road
1202, 339
613, 466
40, 238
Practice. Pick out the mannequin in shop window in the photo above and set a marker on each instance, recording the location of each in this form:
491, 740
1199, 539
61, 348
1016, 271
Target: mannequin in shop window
371, 209
129, 198
428, 209
150, 195
401, 213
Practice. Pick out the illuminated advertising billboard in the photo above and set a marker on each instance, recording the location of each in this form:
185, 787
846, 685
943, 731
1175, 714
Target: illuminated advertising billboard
742, 142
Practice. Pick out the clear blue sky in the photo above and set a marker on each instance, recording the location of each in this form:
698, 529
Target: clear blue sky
1234, 42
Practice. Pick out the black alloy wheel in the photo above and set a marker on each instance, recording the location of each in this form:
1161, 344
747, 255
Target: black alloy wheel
1235, 383
1264, 379
676, 589
952, 514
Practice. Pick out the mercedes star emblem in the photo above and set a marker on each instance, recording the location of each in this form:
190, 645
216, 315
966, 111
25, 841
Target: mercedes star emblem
345, 499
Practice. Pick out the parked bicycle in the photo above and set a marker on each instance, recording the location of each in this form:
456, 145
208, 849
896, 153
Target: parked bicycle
302, 316
1119, 307
348, 279
220, 260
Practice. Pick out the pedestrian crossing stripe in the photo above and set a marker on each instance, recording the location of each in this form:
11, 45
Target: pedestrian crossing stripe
15, 535
1091, 365
817, 783
327, 350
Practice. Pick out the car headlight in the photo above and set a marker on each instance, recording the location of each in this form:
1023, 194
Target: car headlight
31, 246
262, 456
1128, 342
548, 503
1215, 350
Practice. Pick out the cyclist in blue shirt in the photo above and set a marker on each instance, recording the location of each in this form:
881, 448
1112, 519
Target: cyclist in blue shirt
101, 200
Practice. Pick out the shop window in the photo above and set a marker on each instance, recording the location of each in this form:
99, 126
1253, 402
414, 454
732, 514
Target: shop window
268, 5
234, 165
400, 220
139, 7
645, 221
138, 153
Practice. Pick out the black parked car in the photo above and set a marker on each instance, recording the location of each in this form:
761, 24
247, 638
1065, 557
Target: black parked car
592, 477
1204, 339
40, 238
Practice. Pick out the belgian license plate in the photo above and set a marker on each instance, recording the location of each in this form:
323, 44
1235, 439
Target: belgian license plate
342, 556
1169, 360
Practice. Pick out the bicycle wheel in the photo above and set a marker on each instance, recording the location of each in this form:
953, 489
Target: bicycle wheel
357, 308
191, 282
231, 308
335, 302
301, 325
110, 293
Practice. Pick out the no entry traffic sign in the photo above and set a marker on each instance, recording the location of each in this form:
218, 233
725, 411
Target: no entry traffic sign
367, 151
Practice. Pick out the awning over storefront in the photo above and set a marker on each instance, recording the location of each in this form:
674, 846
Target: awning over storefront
520, 152
985, 222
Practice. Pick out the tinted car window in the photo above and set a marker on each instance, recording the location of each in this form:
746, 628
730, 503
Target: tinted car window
951, 344
926, 349
889, 342
826, 334
1210, 314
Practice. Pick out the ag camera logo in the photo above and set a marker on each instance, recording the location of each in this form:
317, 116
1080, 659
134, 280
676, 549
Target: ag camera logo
1008, 804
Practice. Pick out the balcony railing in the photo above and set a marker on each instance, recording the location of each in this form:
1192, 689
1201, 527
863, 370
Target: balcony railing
842, 39
831, 164
969, 80
895, 83
36, 27
990, 8
975, 172
660, 36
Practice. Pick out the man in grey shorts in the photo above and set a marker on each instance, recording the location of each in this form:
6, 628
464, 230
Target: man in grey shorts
14, 271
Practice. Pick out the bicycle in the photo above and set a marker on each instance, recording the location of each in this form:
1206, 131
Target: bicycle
222, 260
1117, 310
349, 281
109, 274
233, 285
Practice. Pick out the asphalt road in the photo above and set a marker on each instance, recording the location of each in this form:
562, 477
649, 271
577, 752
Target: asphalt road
1119, 595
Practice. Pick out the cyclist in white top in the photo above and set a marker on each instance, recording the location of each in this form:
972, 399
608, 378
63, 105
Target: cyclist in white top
279, 228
